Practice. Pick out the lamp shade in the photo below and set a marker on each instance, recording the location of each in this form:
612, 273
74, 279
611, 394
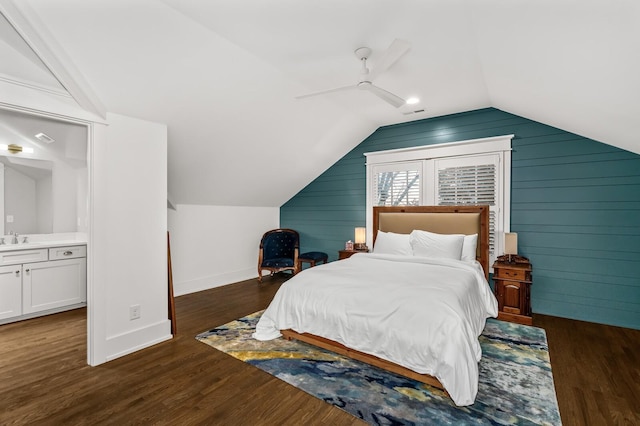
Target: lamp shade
361, 235
510, 243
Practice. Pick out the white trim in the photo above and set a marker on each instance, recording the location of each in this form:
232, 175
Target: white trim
96, 321
38, 102
212, 281
127, 343
506, 194
449, 149
95, 327
73, 119
35, 86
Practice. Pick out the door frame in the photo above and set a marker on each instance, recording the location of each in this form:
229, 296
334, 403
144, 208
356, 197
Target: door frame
91, 312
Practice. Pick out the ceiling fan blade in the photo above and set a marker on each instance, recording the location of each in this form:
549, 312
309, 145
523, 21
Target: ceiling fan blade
388, 97
395, 51
338, 89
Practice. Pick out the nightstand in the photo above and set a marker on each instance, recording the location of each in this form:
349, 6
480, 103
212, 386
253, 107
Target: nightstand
345, 254
513, 290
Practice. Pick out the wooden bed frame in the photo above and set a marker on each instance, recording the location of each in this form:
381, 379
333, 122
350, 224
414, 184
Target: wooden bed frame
466, 220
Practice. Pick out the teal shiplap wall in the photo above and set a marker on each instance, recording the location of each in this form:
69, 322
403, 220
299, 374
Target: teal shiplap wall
575, 204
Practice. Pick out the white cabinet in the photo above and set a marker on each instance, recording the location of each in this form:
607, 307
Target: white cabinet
23, 256
41, 281
53, 284
67, 252
10, 291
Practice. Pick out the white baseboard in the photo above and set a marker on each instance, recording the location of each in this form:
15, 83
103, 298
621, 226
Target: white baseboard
43, 313
200, 284
126, 343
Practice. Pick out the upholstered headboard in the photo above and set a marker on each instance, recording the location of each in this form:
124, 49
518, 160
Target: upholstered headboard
466, 220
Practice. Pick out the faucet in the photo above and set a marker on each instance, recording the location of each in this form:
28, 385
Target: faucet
14, 239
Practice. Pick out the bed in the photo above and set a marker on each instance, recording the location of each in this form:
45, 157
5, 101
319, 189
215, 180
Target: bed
402, 309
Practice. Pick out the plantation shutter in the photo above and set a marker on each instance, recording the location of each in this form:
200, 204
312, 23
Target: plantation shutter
471, 181
397, 185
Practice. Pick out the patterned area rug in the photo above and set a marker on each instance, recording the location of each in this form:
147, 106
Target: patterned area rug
515, 388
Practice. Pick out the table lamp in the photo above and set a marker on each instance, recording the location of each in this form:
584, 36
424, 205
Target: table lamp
510, 244
360, 239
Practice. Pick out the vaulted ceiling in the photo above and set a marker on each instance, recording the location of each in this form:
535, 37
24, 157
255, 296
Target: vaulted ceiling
224, 75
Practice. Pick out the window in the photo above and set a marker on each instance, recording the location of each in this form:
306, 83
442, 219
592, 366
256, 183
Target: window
471, 181
460, 173
397, 185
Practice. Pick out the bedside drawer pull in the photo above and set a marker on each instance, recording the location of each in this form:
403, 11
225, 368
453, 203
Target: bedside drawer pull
511, 274
68, 253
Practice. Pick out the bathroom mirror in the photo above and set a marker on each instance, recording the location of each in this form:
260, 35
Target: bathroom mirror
43, 181
27, 196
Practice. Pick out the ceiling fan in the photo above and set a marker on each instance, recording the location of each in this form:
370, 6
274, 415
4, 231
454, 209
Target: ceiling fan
390, 57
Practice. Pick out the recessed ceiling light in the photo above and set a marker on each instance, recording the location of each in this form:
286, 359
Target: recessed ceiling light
45, 138
412, 100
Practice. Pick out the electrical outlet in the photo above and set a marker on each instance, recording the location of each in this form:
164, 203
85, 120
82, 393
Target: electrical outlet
9, 218
134, 312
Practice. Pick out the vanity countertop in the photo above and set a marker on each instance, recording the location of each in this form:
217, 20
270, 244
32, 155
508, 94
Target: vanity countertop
40, 245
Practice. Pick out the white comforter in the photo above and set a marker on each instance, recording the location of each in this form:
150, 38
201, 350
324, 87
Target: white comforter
424, 314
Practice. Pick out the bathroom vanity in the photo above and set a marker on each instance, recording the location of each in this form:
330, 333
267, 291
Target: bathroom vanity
41, 278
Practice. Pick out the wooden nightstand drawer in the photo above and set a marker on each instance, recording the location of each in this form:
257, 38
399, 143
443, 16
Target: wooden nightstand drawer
513, 274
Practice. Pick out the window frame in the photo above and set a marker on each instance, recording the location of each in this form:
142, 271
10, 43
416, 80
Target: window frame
428, 155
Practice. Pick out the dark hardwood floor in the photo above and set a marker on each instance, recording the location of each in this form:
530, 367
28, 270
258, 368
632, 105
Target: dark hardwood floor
44, 378
596, 370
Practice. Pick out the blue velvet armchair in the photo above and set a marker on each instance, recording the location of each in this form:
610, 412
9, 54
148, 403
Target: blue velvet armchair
279, 249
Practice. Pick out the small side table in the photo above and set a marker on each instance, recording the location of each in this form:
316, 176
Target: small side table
513, 291
312, 258
345, 254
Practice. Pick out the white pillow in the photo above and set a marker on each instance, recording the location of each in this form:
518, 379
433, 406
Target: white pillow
392, 243
428, 244
469, 248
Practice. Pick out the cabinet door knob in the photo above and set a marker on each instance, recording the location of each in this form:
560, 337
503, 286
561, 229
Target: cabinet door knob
17, 273
27, 270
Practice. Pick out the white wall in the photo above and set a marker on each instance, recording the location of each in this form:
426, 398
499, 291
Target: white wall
64, 192
19, 202
44, 205
127, 236
216, 245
